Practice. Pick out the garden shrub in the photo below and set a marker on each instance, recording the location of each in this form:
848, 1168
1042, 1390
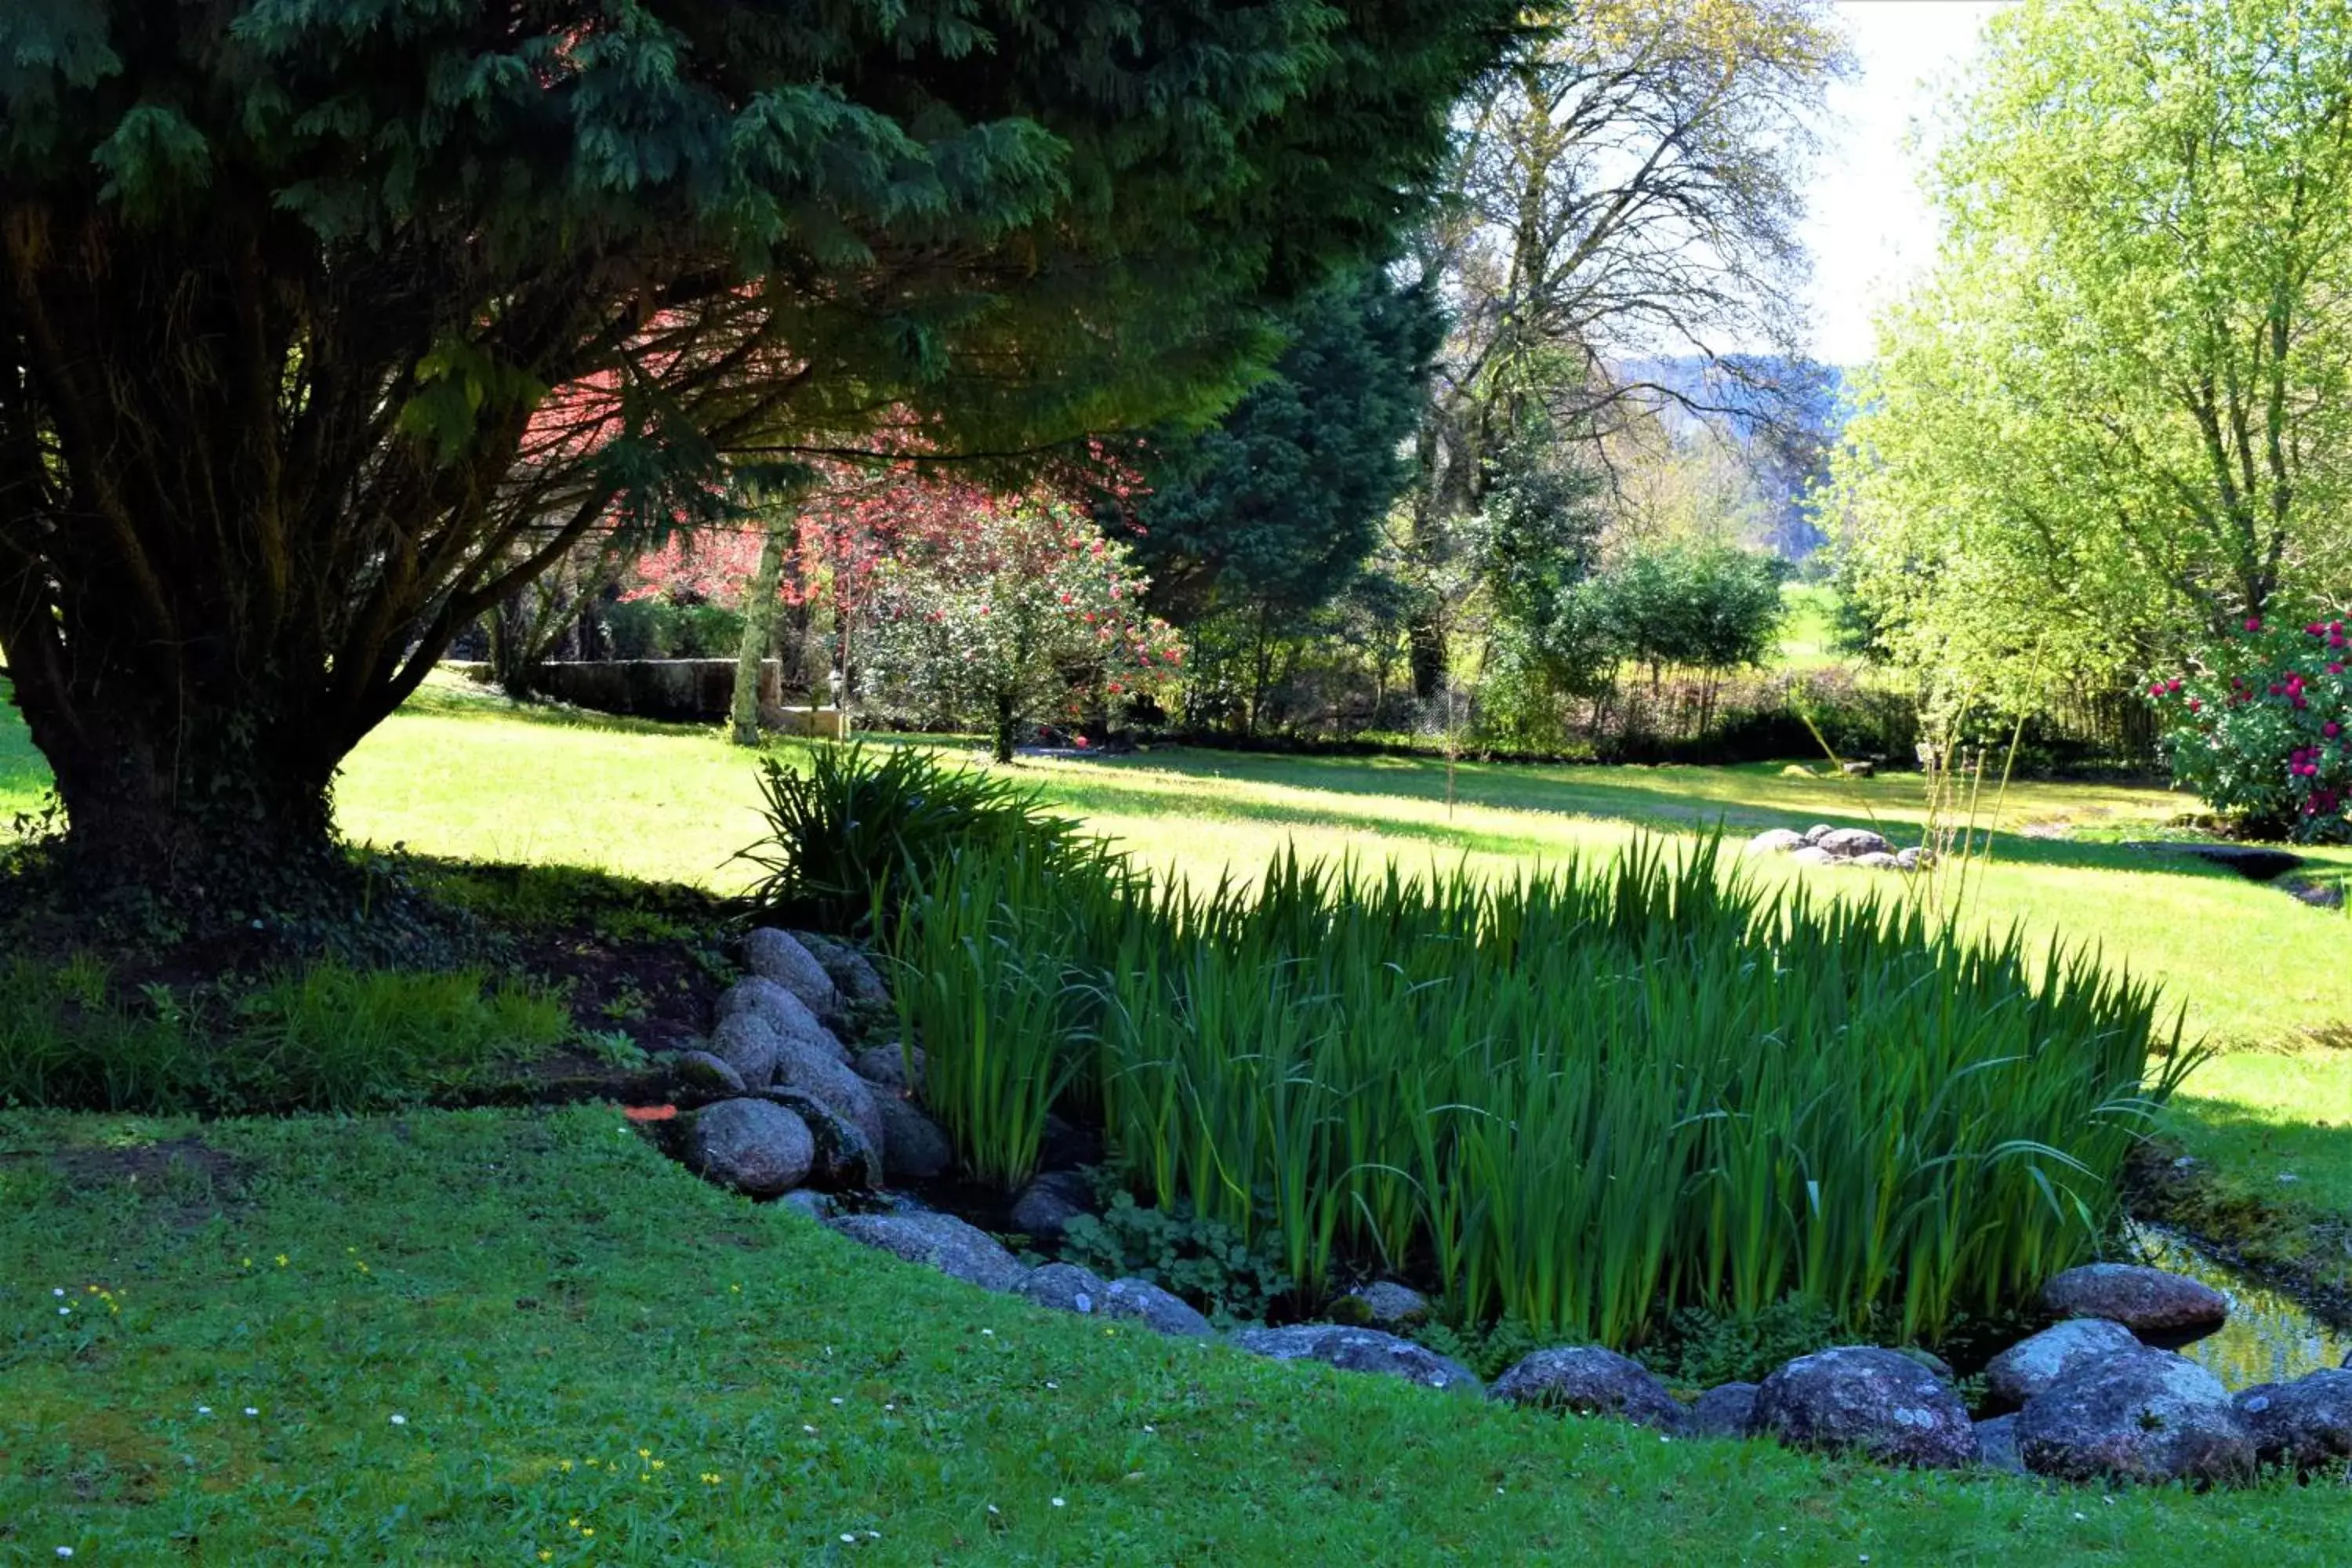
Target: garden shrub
1207, 1262
1582, 1099
2261, 727
862, 827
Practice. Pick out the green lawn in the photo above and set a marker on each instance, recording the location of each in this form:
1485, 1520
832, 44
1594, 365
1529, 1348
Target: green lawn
468, 1338
1809, 634
464, 774
540, 1290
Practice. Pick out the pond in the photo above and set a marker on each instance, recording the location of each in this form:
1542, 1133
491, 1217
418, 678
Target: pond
2270, 1337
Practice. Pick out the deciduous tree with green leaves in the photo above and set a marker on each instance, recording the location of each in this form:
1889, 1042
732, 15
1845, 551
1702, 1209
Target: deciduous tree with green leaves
2118, 418
324, 323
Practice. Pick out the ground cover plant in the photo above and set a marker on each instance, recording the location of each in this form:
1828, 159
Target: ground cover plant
1581, 1099
474, 1342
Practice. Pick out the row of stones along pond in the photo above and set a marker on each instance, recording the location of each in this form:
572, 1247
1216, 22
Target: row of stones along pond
775, 1107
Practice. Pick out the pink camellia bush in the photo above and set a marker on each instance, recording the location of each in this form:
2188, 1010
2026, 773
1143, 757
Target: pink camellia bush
2261, 727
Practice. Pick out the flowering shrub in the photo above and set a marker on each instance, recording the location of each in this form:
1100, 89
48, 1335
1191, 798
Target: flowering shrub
2261, 727
1023, 611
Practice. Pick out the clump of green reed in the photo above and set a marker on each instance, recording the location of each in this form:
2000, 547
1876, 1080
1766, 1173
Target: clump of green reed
1582, 1099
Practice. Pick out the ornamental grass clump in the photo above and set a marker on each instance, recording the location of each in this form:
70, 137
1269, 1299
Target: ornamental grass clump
1582, 1100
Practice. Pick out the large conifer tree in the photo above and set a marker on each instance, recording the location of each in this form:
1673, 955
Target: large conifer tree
325, 323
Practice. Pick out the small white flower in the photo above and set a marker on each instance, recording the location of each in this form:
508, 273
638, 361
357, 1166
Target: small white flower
65, 1551
249, 1410
889, 1407
64, 1311
848, 1538
1149, 1427
399, 1420
990, 1333
991, 1508
203, 1410
810, 1430
59, 1291
1059, 1503
1053, 1385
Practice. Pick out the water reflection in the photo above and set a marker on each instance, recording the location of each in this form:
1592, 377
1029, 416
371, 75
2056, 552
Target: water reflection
2270, 1337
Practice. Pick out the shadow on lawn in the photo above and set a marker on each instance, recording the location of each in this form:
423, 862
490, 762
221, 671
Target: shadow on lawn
1742, 801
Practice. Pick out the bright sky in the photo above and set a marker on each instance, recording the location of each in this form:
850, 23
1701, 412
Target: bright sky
1867, 225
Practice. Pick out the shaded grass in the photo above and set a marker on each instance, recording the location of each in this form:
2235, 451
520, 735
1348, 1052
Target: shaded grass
535, 1292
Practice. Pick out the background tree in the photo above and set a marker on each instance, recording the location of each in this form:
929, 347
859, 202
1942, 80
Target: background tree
2118, 418
326, 323
1623, 189
1024, 611
1266, 516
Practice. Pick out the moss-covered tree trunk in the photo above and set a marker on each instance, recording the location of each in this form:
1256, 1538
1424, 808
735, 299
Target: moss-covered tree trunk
759, 625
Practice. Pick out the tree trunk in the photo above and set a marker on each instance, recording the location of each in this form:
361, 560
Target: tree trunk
759, 617
1003, 736
217, 796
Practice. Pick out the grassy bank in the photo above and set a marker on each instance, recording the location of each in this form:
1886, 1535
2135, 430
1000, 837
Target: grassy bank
473, 1344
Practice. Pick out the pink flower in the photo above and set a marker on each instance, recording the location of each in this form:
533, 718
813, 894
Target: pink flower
2254, 622
2331, 729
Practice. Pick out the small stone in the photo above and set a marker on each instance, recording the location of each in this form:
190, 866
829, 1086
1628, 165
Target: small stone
750, 1045
1817, 832
1066, 1146
1847, 843
803, 1067
2305, 1424
1859, 770
1064, 1287
758, 1149
1722, 1411
1358, 1349
776, 955
1876, 861
700, 1074
846, 1162
2146, 1416
1382, 1304
1586, 1380
1996, 1446
886, 1066
938, 1241
817, 1205
1910, 859
2031, 1365
1161, 1311
1876, 1402
1775, 841
913, 1147
853, 973
1812, 855
1050, 1202
784, 1013
2150, 1303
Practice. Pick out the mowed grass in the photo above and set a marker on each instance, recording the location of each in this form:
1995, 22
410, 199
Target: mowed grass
465, 773
508, 1337
461, 773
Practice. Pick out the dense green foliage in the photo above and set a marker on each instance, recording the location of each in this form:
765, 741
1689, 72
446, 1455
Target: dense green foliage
1582, 1101
326, 1037
330, 322
2118, 418
2261, 727
1265, 517
862, 829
